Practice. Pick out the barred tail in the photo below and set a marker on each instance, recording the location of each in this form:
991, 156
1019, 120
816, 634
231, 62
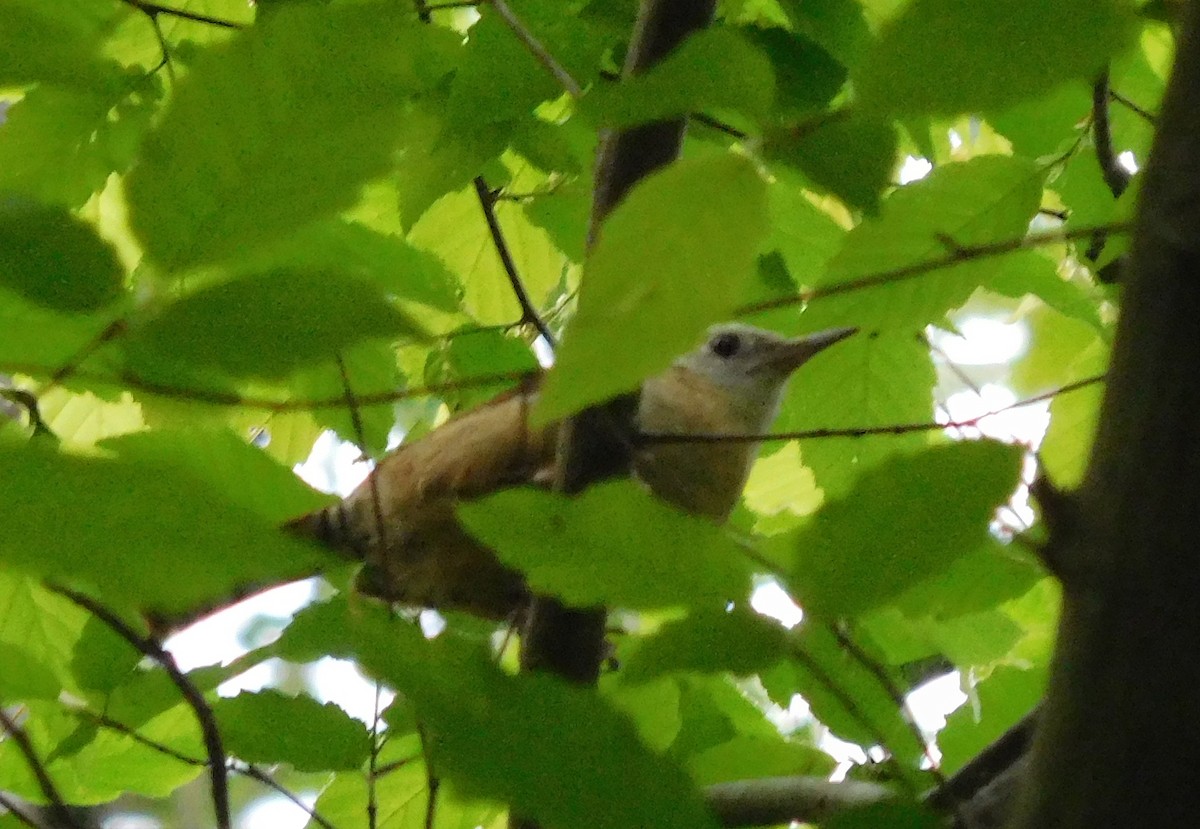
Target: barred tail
334, 527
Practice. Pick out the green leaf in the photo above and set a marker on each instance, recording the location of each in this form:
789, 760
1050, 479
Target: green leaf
56, 260
103, 660
715, 68
1003, 699
981, 579
807, 75
389, 261
708, 641
499, 79
45, 628
26, 677
999, 54
845, 693
670, 262
455, 231
852, 157
747, 757
517, 739
280, 126
129, 529
37, 341
266, 326
244, 474
90, 766
370, 370
270, 727
614, 544
870, 380
936, 506
839, 26
56, 41
984, 200
1031, 272
1047, 124
652, 706
60, 145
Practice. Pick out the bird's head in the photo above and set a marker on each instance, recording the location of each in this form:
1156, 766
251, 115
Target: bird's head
753, 364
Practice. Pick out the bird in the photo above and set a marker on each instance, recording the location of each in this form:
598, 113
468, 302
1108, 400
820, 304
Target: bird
401, 520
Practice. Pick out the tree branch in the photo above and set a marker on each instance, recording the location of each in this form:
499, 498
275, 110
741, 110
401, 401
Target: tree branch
770, 801
213, 745
597, 443
58, 807
153, 10
255, 773
956, 256
529, 314
1115, 176
535, 47
864, 431
1119, 733
11, 808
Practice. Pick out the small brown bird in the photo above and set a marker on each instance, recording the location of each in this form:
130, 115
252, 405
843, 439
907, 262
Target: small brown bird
401, 520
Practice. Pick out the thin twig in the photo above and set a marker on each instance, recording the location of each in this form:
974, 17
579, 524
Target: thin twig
529, 314
154, 9
718, 125
536, 48
132, 733
863, 431
353, 406
29, 402
844, 699
453, 4
220, 398
164, 48
58, 806
897, 697
11, 807
388, 768
957, 256
71, 366
433, 783
372, 789
255, 773
1131, 106
1115, 176
213, 745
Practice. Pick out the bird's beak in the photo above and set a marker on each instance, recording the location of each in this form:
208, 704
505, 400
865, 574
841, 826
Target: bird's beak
798, 351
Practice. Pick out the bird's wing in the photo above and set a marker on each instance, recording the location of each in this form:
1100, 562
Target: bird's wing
401, 519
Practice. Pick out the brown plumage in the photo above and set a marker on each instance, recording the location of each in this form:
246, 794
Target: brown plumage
401, 522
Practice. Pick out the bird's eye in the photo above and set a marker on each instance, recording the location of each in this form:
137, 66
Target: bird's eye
726, 345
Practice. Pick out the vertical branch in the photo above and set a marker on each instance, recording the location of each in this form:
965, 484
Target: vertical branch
597, 443
1115, 176
1120, 730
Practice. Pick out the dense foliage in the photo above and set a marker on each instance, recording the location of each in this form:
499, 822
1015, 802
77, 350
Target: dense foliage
225, 230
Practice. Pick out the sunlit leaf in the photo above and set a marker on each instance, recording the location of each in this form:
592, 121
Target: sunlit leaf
613, 544
270, 324
270, 727
669, 263
281, 125
129, 529
936, 506
911, 72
